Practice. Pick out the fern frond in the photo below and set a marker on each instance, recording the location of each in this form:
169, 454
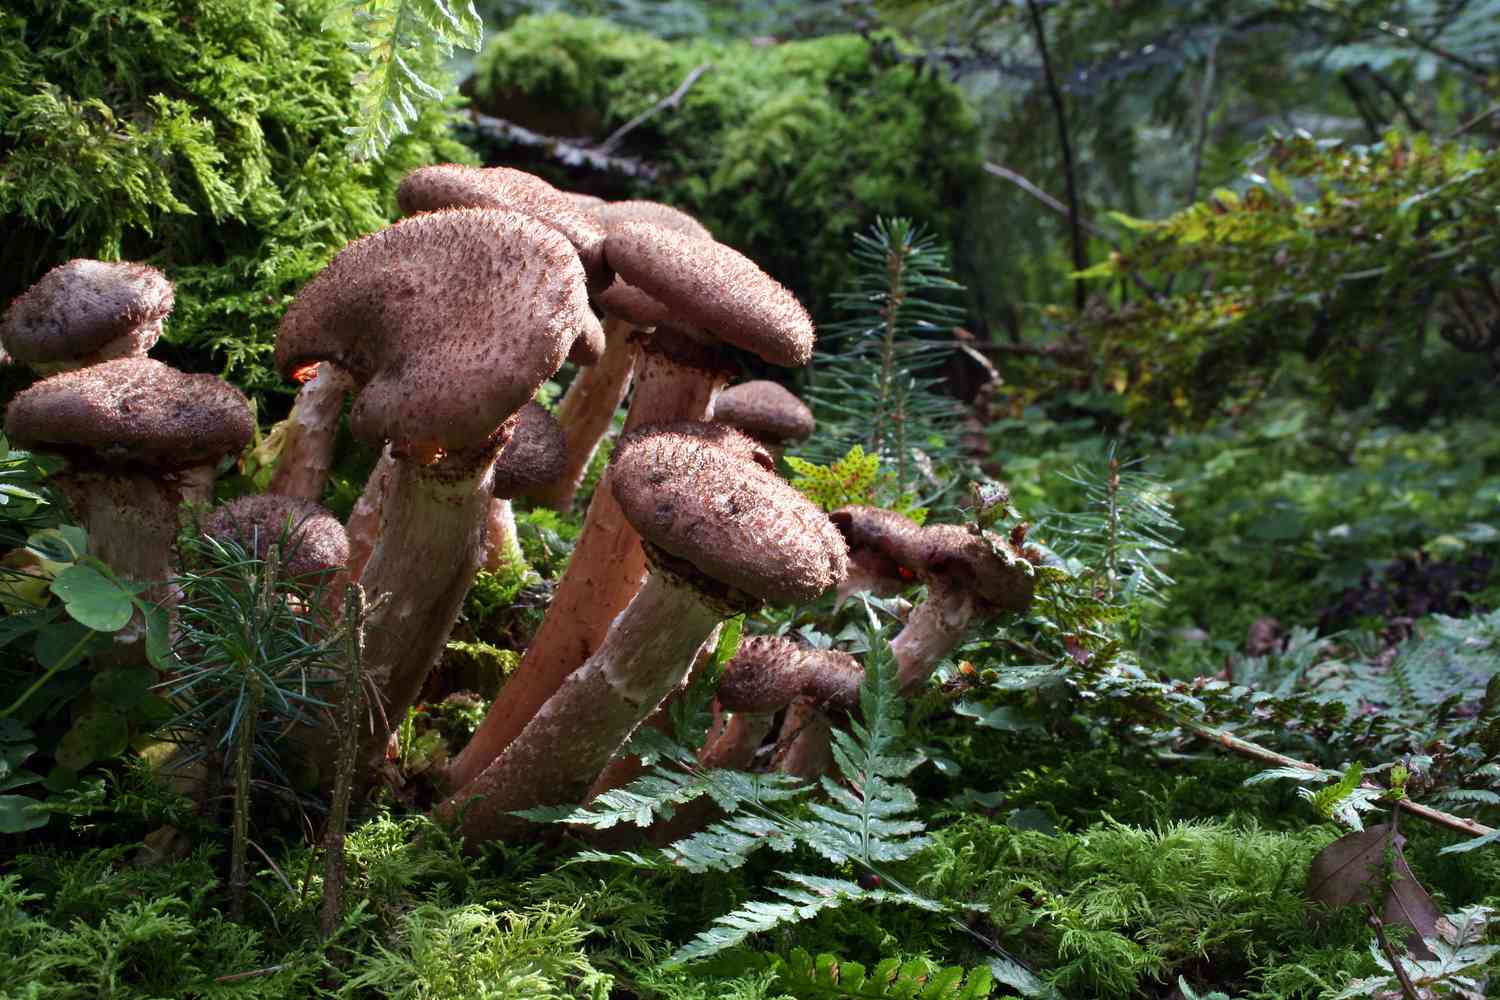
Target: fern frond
405, 42
800, 974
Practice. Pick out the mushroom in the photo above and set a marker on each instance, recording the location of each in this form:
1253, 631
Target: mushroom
679, 372
533, 456
304, 454
971, 575
876, 537
448, 323
767, 674
724, 535
766, 411
84, 312
140, 439
589, 405
314, 547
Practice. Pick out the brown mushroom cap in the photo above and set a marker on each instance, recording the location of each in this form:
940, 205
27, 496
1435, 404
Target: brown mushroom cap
881, 541
712, 286
535, 454
588, 347
133, 411
633, 305
314, 540
698, 501
766, 411
451, 185
986, 564
768, 672
616, 213
79, 307
449, 322
588, 204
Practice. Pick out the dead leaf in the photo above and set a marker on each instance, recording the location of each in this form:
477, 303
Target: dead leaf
1352, 870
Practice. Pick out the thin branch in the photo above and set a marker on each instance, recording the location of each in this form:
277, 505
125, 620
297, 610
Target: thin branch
1394, 94
566, 152
1408, 988
1075, 214
1361, 101
1477, 120
1205, 98
673, 99
1229, 741
239, 977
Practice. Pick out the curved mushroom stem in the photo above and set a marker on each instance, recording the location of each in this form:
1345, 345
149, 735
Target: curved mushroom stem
502, 549
364, 520
570, 740
804, 747
933, 630
307, 451
733, 743
587, 409
606, 570
426, 553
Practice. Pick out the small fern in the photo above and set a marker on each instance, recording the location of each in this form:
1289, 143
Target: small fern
854, 479
803, 975
406, 42
867, 817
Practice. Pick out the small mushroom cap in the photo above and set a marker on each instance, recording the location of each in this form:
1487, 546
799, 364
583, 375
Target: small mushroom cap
448, 321
692, 494
768, 672
633, 305
133, 411
716, 288
313, 539
883, 542
987, 564
77, 308
535, 454
617, 213
588, 204
765, 410
452, 185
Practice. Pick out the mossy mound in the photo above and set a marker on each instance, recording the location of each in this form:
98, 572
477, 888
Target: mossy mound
203, 136
783, 150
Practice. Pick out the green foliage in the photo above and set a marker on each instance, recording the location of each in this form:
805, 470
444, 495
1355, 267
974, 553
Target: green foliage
854, 479
781, 150
872, 380
204, 136
1462, 965
408, 40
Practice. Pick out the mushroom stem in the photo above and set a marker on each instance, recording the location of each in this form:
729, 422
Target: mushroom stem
569, 741
733, 744
426, 553
933, 630
364, 520
606, 570
502, 549
804, 747
587, 409
307, 451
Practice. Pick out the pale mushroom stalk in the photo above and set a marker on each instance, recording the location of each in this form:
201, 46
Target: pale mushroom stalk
364, 520
804, 748
724, 535
607, 567
587, 409
934, 628
306, 454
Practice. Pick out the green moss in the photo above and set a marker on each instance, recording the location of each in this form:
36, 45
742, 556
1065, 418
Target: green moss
782, 150
204, 136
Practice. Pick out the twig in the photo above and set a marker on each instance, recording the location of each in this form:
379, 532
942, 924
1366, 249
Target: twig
1075, 214
238, 977
1390, 91
1231, 742
343, 786
1408, 988
566, 152
1205, 96
673, 99
1477, 120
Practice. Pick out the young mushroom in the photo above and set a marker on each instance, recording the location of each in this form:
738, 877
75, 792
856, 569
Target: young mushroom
84, 312
724, 535
448, 323
970, 576
766, 411
140, 438
678, 374
314, 547
533, 456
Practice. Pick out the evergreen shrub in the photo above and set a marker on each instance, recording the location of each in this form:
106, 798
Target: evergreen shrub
782, 150
203, 136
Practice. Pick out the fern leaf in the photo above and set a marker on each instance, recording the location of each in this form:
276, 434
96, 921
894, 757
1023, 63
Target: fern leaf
802, 975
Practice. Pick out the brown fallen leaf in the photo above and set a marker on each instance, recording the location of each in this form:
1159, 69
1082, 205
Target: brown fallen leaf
1353, 870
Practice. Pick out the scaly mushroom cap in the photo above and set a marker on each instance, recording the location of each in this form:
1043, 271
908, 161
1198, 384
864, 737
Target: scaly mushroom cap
451, 185
133, 411
882, 542
633, 305
699, 496
449, 322
986, 564
716, 288
313, 540
617, 213
768, 672
588, 346
535, 454
766, 411
79, 307
586, 203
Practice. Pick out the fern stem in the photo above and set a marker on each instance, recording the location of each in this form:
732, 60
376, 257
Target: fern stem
890, 314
